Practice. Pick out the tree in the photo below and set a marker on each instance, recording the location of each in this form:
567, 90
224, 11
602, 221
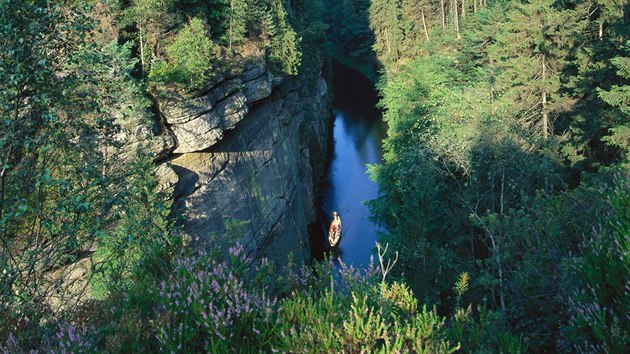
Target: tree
598, 298
416, 15
350, 27
237, 22
478, 172
283, 43
189, 59
151, 17
386, 22
530, 55
62, 179
618, 96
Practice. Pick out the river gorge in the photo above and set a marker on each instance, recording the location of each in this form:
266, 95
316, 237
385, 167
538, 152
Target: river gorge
358, 132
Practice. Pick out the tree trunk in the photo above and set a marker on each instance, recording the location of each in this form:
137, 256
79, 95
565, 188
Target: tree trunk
2, 188
501, 296
495, 257
463, 9
442, 12
601, 30
475, 6
545, 115
231, 21
389, 49
502, 191
142, 63
456, 18
424, 24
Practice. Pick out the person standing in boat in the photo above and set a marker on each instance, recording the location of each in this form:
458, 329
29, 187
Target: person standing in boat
334, 231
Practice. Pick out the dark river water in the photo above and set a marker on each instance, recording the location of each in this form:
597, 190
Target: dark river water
358, 132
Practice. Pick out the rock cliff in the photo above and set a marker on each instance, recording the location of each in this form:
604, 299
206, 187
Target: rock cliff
244, 156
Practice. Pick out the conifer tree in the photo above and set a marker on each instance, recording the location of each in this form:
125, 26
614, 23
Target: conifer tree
387, 23
529, 56
237, 22
618, 96
151, 18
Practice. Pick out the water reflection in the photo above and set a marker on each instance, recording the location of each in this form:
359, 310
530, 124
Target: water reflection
358, 132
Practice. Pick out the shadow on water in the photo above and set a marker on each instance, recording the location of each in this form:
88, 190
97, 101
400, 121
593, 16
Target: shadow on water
358, 132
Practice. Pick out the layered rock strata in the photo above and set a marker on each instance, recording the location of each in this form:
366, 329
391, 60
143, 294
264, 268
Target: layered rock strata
243, 157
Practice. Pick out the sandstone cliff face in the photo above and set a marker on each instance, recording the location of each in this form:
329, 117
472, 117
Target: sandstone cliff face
243, 159
240, 163
200, 122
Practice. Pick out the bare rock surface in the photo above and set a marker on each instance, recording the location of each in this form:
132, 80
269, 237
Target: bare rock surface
254, 184
200, 122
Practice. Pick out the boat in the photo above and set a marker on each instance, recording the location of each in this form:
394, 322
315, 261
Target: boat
334, 231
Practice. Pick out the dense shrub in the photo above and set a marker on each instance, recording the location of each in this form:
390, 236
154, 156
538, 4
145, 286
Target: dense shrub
62, 338
214, 303
599, 294
190, 58
207, 305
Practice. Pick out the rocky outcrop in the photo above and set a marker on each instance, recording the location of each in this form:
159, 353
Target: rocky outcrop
240, 162
200, 122
244, 159
142, 138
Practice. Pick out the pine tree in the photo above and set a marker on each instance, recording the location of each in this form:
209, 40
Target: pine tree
387, 23
237, 22
285, 51
618, 96
151, 18
528, 57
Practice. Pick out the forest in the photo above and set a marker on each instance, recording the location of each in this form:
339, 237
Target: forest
504, 190
507, 160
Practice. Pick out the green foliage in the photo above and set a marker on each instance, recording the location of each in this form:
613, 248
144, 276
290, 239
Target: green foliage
488, 334
461, 286
137, 238
386, 23
367, 318
66, 188
619, 96
190, 58
151, 18
349, 35
237, 22
144, 11
282, 42
599, 291
501, 129
381, 317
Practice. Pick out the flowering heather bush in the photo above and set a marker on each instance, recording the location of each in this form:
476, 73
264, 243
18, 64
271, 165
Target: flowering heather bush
212, 305
598, 306
10, 345
216, 306
359, 278
71, 339
206, 305
67, 338
221, 303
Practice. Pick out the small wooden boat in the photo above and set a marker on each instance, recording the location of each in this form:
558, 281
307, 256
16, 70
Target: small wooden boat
334, 231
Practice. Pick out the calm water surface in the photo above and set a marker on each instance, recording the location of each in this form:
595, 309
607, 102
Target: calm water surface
358, 132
